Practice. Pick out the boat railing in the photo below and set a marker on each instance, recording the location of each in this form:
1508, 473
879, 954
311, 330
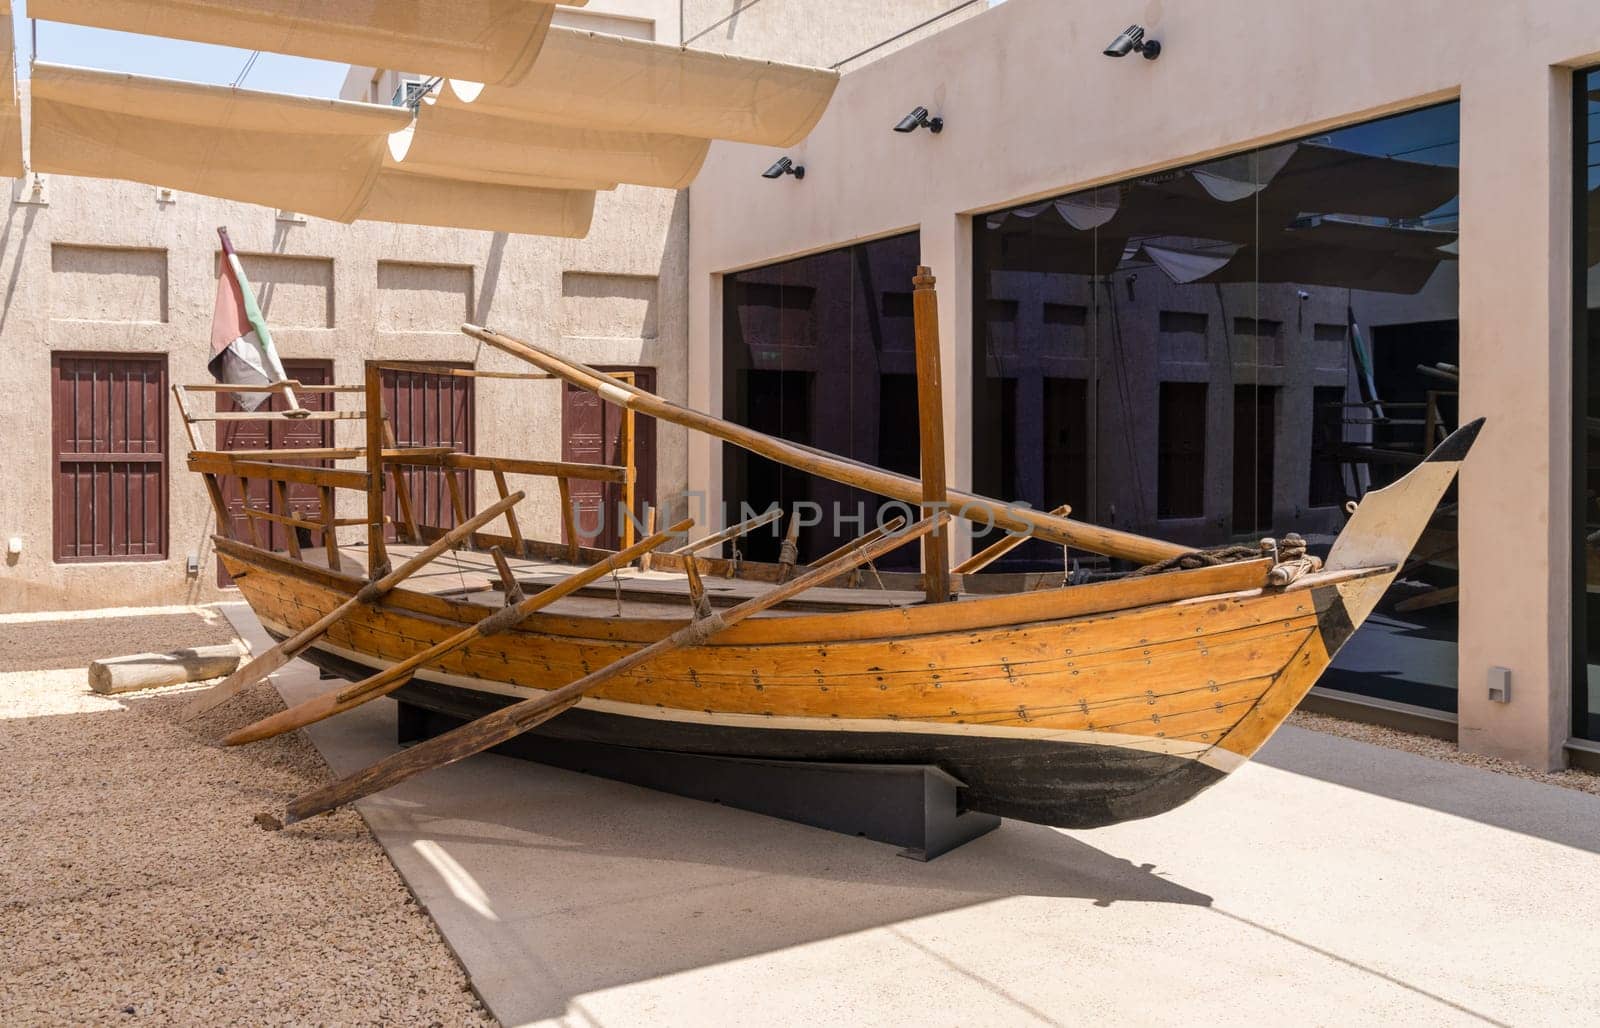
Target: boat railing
383, 463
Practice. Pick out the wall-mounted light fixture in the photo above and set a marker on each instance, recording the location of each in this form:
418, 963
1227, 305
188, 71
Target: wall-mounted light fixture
918, 118
1132, 41
784, 166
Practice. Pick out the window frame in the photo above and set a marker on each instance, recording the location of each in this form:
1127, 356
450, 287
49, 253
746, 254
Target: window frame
1578, 598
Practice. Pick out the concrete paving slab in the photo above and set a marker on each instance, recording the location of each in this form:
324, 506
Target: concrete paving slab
1330, 882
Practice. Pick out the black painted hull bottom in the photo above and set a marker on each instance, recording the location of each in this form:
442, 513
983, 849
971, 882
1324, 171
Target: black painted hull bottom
1062, 784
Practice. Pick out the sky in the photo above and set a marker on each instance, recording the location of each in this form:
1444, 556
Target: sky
175, 59
171, 58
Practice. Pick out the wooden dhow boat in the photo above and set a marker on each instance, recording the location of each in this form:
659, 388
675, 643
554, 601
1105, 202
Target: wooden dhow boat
1074, 705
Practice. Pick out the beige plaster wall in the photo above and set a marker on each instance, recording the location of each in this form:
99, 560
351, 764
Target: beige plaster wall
1033, 110
105, 267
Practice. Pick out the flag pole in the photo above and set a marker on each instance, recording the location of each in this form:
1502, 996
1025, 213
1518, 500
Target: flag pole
268, 350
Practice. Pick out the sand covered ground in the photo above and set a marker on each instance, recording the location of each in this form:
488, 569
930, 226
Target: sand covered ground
134, 882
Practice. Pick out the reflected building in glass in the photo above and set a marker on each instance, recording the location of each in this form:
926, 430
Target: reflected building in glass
1236, 348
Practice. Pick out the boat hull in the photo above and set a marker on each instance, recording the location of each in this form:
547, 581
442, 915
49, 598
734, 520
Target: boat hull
1064, 784
1075, 721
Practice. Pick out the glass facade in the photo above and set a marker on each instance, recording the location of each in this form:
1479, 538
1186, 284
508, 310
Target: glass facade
820, 350
1235, 349
1586, 403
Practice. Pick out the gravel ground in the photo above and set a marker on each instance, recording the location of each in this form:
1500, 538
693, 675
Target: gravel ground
134, 883
1440, 749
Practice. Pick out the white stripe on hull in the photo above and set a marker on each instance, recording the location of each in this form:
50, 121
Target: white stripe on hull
1206, 753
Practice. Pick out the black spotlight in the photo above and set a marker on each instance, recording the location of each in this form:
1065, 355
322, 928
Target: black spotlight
918, 118
1133, 41
784, 166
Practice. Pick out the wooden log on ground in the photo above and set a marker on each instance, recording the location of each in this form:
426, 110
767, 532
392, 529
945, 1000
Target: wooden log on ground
154, 670
510, 722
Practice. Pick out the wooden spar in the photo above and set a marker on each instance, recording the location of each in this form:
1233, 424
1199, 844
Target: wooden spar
650, 516
402, 489
981, 560
377, 554
930, 419
1095, 539
337, 701
508, 580
286, 651
268, 351
509, 722
699, 602
771, 514
789, 552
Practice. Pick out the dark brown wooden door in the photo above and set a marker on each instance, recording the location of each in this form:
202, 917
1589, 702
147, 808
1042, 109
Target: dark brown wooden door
109, 429
1254, 421
430, 410
304, 501
591, 433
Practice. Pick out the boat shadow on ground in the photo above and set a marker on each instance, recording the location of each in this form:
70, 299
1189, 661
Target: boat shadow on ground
577, 884
1565, 816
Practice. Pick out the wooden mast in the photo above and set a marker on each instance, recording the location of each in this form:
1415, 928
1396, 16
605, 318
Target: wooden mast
1094, 538
377, 554
930, 418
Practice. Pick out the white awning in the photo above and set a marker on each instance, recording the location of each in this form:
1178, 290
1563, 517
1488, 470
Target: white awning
594, 81
318, 157
484, 40
457, 143
10, 109
422, 200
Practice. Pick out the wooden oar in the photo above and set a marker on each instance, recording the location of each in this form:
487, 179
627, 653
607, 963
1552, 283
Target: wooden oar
509, 722
772, 514
979, 561
873, 536
337, 701
287, 650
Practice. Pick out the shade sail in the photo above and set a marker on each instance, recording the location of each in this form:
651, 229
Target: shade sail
318, 157
484, 40
10, 109
456, 143
424, 200
602, 82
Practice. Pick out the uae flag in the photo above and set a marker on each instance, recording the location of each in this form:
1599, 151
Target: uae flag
241, 345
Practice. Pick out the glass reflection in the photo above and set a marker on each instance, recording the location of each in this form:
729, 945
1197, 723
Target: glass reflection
821, 350
1233, 349
1586, 683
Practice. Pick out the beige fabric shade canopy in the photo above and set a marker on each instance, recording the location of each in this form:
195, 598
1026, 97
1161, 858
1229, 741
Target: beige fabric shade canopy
409, 199
595, 81
569, 112
318, 157
465, 144
10, 109
486, 40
